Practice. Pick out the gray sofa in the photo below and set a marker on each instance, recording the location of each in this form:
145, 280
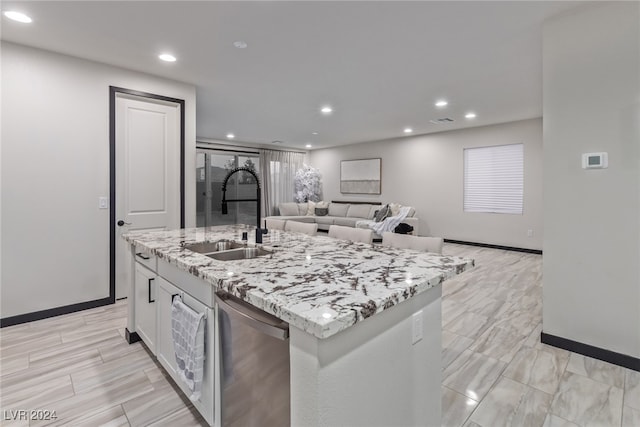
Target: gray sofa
346, 214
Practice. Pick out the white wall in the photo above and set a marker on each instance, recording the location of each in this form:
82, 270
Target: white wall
426, 171
55, 165
591, 291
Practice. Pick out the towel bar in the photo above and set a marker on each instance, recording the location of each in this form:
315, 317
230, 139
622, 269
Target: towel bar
181, 295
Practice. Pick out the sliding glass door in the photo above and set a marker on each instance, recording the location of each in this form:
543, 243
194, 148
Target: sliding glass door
212, 167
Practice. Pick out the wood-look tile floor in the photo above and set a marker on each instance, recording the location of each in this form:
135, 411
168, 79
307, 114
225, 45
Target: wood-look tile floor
495, 370
80, 366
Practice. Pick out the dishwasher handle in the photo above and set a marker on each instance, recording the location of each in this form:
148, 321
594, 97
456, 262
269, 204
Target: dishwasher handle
253, 317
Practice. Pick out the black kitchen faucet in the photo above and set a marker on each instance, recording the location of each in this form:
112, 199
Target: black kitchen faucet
258, 198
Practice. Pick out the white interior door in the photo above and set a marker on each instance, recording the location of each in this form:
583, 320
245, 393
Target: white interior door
147, 173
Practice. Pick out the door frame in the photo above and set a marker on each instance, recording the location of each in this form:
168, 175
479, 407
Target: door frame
113, 92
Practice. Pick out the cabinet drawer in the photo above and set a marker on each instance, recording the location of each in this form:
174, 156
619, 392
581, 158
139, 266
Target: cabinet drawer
149, 261
197, 288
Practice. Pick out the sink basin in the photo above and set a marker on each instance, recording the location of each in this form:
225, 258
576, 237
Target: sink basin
238, 254
207, 248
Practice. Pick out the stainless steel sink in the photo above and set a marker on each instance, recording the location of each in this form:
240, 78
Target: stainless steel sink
207, 248
238, 254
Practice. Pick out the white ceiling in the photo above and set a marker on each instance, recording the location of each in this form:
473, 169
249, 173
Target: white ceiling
380, 65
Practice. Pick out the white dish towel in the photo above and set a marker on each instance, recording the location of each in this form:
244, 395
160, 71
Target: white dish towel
187, 329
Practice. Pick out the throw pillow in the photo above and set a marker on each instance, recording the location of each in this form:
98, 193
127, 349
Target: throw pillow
395, 209
302, 208
381, 213
321, 211
311, 207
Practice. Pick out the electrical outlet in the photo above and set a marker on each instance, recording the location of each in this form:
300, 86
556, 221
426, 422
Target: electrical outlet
529, 233
416, 329
103, 203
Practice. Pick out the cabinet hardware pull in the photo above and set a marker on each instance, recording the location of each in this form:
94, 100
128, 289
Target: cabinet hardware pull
150, 300
141, 255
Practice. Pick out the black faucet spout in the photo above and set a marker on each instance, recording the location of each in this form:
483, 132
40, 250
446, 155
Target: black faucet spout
258, 198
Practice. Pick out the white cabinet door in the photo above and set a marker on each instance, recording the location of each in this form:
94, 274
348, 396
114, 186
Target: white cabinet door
147, 172
166, 353
145, 302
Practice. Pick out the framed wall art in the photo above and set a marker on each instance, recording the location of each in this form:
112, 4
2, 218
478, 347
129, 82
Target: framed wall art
360, 176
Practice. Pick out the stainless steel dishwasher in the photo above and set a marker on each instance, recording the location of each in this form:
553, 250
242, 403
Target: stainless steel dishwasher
254, 365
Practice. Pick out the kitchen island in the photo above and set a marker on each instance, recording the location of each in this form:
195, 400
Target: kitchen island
364, 321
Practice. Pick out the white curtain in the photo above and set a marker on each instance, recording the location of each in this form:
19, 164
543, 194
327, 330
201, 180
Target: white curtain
278, 171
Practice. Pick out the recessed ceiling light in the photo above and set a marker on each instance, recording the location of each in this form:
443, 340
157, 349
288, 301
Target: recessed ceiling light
470, 116
326, 110
240, 44
167, 57
314, 133
441, 103
408, 130
308, 145
230, 136
18, 16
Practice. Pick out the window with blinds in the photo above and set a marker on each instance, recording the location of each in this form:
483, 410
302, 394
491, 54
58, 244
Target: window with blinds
494, 179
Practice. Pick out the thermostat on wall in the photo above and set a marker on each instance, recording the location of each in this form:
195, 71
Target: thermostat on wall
594, 161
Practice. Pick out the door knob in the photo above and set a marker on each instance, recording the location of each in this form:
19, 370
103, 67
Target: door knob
121, 223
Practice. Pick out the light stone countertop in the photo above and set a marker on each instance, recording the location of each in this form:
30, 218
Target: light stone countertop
319, 284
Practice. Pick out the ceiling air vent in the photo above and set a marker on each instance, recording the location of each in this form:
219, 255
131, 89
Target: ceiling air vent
443, 121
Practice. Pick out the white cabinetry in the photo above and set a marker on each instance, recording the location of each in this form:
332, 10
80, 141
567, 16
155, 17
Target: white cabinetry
165, 350
145, 305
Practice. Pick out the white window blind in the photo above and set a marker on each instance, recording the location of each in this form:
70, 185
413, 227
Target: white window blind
494, 179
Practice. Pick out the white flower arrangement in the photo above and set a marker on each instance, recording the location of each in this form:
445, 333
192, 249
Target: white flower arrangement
307, 185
